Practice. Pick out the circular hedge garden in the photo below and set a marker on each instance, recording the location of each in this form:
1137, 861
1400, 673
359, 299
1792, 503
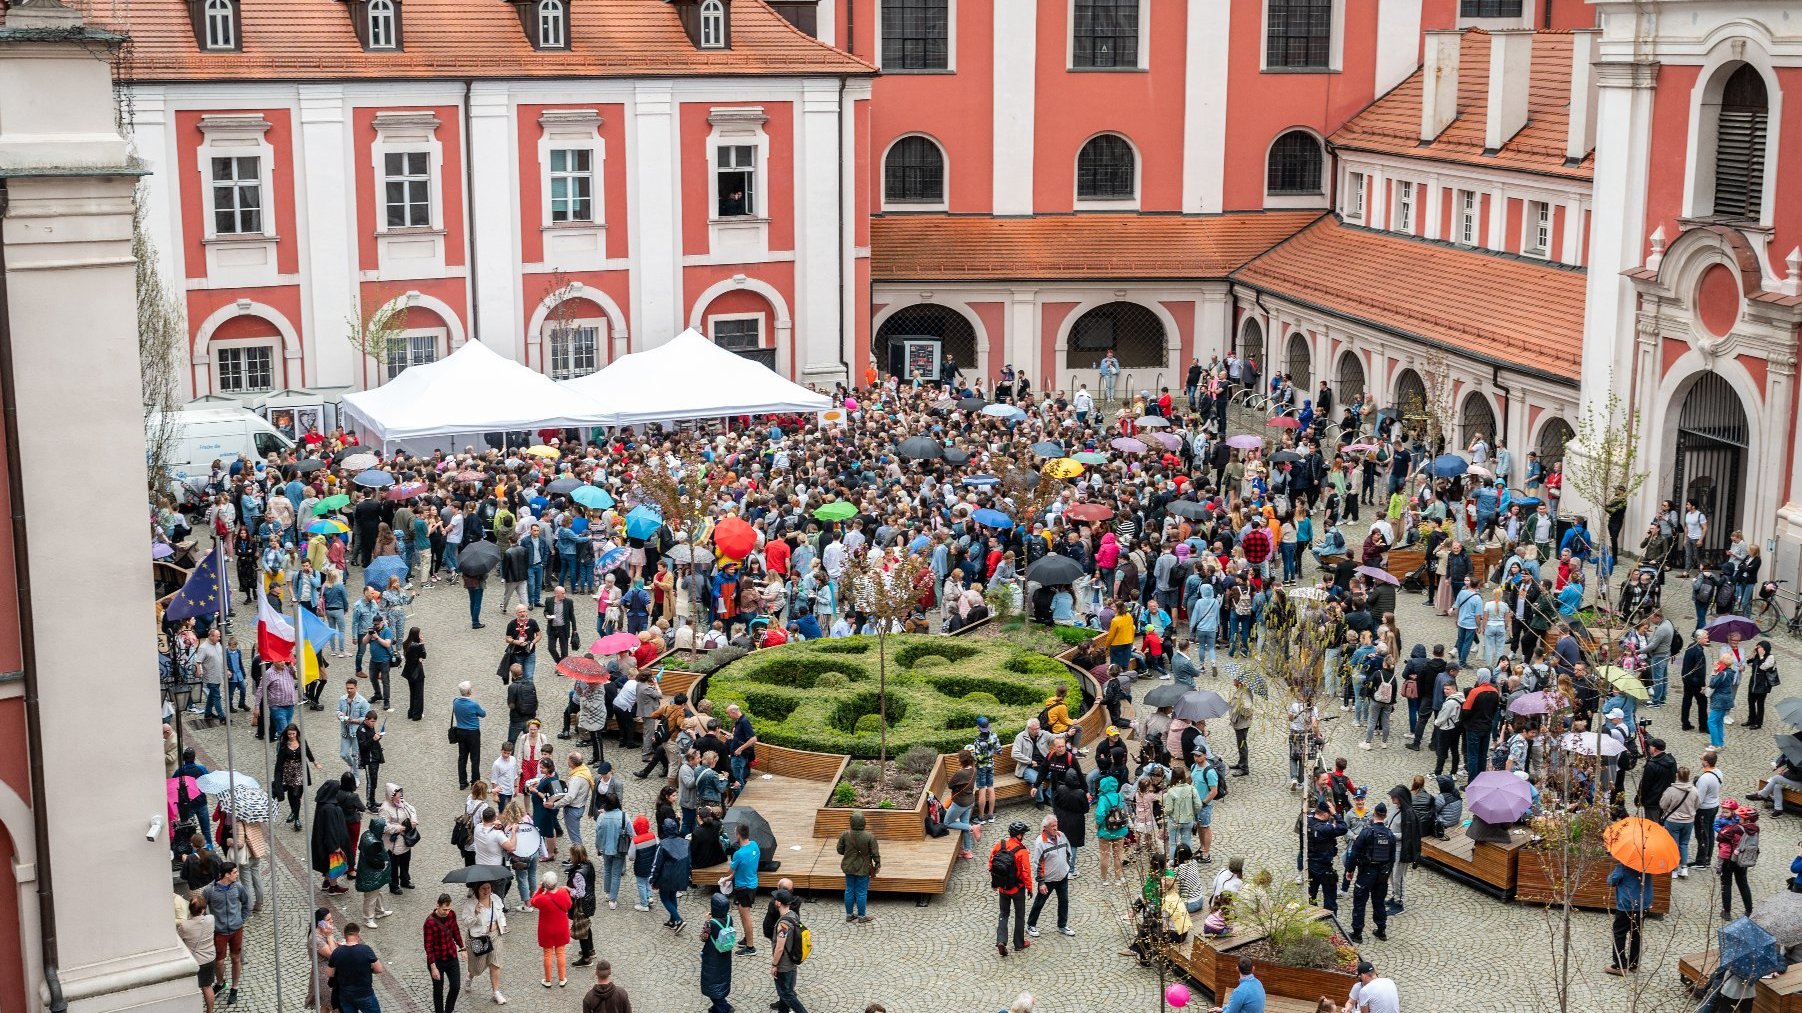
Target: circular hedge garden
821, 695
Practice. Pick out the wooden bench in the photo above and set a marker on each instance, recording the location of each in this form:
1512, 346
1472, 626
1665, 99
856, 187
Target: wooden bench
1491, 868
1791, 797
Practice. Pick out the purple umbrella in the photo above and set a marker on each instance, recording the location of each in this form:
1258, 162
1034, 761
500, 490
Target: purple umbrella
1245, 441
1720, 628
1377, 574
1497, 796
1534, 703
1169, 441
1128, 445
161, 550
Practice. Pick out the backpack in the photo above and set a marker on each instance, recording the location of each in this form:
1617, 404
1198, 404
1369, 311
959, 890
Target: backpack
1629, 759
461, 831
673, 873
1725, 597
1217, 774
1044, 722
1745, 853
1385, 691
800, 942
1110, 693
935, 817
1703, 591
725, 935
1003, 873
1115, 820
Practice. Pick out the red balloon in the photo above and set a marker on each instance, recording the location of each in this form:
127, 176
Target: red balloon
734, 538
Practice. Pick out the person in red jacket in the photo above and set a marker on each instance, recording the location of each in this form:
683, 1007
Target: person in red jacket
1011, 890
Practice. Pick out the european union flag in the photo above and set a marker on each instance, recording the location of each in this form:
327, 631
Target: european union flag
205, 592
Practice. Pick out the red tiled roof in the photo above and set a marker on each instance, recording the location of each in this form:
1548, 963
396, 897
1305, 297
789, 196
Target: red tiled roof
915, 247
1391, 124
1498, 308
314, 40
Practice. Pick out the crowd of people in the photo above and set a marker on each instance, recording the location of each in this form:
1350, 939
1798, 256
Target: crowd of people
1190, 545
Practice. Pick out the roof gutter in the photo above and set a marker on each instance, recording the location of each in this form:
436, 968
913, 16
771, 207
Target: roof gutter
28, 653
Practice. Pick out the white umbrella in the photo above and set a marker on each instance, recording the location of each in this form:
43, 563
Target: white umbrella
220, 781
252, 805
358, 462
1591, 744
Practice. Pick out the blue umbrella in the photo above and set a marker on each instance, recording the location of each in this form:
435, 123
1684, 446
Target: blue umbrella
610, 559
1749, 951
380, 568
981, 480
643, 522
1526, 501
592, 497
1449, 466
374, 479
1003, 411
992, 519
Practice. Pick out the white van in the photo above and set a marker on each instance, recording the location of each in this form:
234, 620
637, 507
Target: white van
205, 435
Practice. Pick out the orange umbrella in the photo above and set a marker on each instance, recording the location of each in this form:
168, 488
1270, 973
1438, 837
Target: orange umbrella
1641, 845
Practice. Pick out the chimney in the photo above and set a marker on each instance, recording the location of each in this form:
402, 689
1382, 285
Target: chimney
1510, 66
1582, 138
1439, 83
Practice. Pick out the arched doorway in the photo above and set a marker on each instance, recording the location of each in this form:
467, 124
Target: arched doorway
1251, 342
918, 327
1476, 418
1552, 438
1134, 333
1351, 378
1710, 457
1300, 365
1410, 403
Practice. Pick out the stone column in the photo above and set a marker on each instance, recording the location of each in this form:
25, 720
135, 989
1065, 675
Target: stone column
654, 216
324, 180
493, 157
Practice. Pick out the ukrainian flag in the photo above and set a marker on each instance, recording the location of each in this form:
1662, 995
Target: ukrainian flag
315, 633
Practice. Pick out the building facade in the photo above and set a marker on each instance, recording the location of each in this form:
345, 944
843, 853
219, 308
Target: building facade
566, 180
90, 927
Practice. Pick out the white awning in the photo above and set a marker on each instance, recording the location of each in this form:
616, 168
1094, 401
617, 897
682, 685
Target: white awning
690, 377
473, 390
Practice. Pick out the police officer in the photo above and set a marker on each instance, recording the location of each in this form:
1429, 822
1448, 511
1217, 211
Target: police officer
1371, 855
1323, 832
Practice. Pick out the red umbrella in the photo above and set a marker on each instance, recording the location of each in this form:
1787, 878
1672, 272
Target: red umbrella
734, 538
583, 669
1089, 512
614, 643
1284, 422
406, 491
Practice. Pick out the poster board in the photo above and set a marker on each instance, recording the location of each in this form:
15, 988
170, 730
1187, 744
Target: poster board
922, 359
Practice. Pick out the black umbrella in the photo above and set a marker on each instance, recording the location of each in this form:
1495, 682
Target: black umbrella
1790, 710
563, 486
1186, 508
1048, 448
1029, 479
479, 560
1791, 746
1285, 457
309, 465
760, 831
972, 404
1054, 570
1165, 696
500, 876
1202, 705
920, 448
956, 455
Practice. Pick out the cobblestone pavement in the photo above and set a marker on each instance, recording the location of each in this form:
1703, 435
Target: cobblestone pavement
1453, 948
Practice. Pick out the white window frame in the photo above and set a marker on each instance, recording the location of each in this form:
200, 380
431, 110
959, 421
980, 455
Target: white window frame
739, 126
1536, 228
219, 350
415, 176
219, 24
1404, 206
944, 201
764, 337
409, 252
711, 24
552, 24
383, 24
1467, 218
599, 325
1355, 186
577, 176
242, 258
437, 335
573, 246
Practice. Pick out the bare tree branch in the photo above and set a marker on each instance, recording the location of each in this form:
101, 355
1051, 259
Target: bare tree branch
162, 332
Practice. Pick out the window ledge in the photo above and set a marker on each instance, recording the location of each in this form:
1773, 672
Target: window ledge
739, 220
914, 207
1107, 70
241, 239
1300, 70
410, 232
886, 72
572, 226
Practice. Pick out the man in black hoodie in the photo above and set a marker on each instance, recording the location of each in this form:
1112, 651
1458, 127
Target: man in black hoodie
1695, 675
1659, 774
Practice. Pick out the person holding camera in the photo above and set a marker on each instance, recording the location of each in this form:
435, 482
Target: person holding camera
401, 835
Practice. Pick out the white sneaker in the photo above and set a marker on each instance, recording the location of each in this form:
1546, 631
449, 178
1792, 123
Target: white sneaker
1729, 719
640, 907
1363, 745
612, 905
369, 923
1067, 932
1033, 931
1683, 871
499, 999
1385, 743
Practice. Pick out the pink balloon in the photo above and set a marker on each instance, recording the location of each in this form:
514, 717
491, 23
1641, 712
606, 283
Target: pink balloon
1177, 995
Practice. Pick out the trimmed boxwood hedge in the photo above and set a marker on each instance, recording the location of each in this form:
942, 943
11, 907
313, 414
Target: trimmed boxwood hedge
937, 688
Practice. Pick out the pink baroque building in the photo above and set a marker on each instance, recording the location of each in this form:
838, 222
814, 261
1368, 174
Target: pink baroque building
565, 180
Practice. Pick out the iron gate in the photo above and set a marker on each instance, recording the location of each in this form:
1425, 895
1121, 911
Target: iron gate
1351, 378
926, 322
1712, 436
1300, 365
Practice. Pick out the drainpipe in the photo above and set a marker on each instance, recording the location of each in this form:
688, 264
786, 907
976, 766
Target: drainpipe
469, 223
34, 724
1495, 380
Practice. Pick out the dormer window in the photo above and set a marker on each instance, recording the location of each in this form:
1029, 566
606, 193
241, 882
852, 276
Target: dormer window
553, 27
219, 25
382, 24
713, 24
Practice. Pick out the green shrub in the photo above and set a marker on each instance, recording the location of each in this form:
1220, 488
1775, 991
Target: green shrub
844, 794
1074, 635
794, 698
981, 699
866, 774
918, 760
869, 724
901, 779
885, 804
1309, 951
928, 662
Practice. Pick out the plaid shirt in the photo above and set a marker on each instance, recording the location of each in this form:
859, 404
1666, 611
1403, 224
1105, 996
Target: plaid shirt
443, 937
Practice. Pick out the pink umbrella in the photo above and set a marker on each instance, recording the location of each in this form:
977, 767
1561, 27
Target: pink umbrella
1128, 445
1534, 703
1245, 441
614, 643
1358, 448
1377, 574
1497, 796
1284, 422
405, 491
1169, 441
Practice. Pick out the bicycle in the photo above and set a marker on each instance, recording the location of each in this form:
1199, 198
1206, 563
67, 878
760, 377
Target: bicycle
1769, 609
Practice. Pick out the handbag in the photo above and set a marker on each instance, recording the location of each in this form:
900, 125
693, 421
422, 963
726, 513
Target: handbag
1410, 689
451, 734
578, 927
483, 944
410, 836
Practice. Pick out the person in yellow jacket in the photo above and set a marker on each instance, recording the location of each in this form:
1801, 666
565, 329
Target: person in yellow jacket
1121, 632
1057, 711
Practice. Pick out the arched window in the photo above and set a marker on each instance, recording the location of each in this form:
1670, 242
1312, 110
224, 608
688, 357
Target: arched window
221, 25
1295, 161
381, 25
1739, 146
914, 328
914, 172
1251, 342
1351, 378
1105, 169
1300, 363
1411, 397
1477, 418
713, 25
1552, 438
1134, 333
552, 32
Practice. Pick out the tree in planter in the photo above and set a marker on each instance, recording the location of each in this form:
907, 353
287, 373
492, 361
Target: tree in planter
886, 586
1286, 670
1604, 469
162, 327
376, 334
684, 491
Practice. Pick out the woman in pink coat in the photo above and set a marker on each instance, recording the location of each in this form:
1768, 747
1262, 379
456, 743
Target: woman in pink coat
553, 902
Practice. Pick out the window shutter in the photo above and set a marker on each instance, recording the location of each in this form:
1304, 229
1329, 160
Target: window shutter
1739, 163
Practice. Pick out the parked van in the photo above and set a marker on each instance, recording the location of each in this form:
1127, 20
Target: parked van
205, 435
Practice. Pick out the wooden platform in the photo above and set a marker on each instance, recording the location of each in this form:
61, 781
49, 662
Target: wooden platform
1536, 883
1780, 994
1492, 868
1791, 797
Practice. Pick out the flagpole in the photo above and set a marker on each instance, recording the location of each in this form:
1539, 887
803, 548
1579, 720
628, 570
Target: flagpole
317, 996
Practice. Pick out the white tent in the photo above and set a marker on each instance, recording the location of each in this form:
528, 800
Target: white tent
473, 390
690, 377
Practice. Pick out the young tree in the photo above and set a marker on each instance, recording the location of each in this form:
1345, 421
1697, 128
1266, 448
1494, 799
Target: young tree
684, 492
887, 585
376, 333
1602, 465
162, 330
1434, 412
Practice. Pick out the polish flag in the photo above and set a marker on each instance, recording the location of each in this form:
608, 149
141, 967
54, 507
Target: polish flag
275, 634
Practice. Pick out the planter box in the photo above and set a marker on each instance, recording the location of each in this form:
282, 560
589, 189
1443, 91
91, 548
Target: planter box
1304, 983
1538, 881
